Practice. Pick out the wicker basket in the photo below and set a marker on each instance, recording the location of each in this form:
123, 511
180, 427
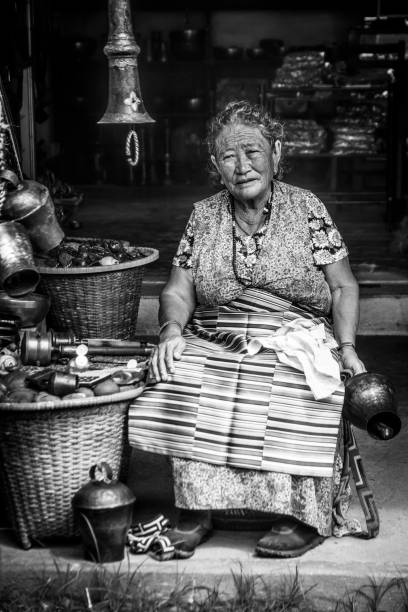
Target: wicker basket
46, 450
96, 302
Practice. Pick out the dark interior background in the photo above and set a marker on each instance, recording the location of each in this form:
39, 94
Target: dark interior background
70, 74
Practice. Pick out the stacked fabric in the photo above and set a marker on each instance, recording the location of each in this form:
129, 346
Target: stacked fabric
357, 129
304, 137
301, 69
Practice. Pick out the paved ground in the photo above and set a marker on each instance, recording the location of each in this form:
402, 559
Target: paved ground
333, 568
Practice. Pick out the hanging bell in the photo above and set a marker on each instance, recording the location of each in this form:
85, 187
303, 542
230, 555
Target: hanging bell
103, 511
125, 103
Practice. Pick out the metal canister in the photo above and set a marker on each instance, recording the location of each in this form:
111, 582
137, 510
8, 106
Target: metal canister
18, 273
103, 512
61, 383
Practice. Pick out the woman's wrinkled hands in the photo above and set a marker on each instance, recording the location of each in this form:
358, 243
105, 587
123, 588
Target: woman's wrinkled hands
170, 348
350, 361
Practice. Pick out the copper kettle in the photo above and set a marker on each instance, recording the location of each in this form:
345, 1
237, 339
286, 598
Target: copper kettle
370, 404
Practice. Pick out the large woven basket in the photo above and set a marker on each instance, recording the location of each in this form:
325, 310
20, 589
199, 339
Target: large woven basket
99, 301
46, 450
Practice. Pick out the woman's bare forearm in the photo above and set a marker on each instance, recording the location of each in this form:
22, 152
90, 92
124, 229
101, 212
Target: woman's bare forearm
175, 308
345, 310
177, 300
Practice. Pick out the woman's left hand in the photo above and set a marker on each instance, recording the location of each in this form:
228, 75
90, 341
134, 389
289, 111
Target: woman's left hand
350, 361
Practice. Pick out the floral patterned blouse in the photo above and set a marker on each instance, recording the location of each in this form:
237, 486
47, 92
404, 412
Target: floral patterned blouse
284, 256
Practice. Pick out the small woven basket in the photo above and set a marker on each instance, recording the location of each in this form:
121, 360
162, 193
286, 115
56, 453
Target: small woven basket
97, 301
46, 450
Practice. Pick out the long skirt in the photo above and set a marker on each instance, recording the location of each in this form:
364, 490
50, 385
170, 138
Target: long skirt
244, 431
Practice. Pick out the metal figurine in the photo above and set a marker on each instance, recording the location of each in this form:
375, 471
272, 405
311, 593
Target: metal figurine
125, 103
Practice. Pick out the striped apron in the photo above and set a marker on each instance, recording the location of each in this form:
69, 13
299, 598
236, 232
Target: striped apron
225, 407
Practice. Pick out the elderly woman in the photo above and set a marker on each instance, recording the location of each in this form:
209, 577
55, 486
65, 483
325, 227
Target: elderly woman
253, 429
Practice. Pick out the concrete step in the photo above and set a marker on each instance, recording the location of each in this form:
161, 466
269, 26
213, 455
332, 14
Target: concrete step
383, 308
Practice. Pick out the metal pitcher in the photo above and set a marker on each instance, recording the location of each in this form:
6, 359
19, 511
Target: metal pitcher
370, 404
31, 204
18, 273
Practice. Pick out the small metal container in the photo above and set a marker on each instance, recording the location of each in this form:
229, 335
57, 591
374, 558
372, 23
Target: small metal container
18, 273
61, 383
103, 512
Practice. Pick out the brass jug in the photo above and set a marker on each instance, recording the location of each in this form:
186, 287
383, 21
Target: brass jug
31, 204
370, 404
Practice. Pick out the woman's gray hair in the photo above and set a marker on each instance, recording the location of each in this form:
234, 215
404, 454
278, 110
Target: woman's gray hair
243, 112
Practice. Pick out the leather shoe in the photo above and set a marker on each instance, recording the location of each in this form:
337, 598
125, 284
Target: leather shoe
193, 528
288, 538
185, 542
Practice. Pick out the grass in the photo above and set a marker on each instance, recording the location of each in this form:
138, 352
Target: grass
103, 590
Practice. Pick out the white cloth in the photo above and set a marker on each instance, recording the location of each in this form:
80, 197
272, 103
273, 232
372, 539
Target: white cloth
304, 345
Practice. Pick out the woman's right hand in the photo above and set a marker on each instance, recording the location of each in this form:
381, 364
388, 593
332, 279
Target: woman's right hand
170, 347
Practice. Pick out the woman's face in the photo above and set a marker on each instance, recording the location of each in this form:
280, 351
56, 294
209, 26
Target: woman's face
245, 161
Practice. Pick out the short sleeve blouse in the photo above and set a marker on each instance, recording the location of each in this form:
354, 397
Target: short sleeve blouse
327, 243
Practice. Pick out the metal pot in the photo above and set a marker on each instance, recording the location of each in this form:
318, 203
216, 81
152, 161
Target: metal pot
370, 404
18, 274
31, 204
103, 511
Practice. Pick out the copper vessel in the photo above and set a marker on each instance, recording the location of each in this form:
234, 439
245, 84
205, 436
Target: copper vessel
370, 404
125, 103
103, 511
18, 274
31, 204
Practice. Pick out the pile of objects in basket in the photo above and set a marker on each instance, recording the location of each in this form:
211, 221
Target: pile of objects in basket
86, 252
74, 370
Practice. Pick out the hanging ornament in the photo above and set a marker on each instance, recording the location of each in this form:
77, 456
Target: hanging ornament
132, 142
